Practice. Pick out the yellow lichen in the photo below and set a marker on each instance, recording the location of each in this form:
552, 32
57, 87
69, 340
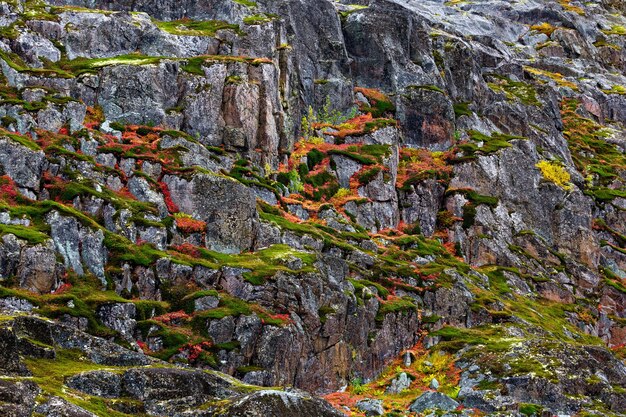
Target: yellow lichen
554, 172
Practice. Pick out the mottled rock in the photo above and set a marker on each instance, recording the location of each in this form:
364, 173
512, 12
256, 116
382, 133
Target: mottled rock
280, 404
119, 317
20, 163
433, 400
58, 407
399, 384
371, 407
38, 270
227, 206
99, 383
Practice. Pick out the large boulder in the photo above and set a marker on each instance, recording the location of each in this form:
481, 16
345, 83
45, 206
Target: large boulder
433, 400
38, 269
227, 206
270, 403
22, 164
10, 362
159, 384
17, 398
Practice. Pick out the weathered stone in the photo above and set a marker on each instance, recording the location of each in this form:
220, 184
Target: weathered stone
119, 317
38, 270
227, 206
22, 164
399, 384
280, 403
433, 400
57, 406
371, 407
99, 383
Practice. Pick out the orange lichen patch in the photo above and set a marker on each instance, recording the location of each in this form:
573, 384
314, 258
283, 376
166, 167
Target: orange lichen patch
380, 103
372, 94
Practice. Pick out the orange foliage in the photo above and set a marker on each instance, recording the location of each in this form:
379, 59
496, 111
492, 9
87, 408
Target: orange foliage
189, 225
173, 317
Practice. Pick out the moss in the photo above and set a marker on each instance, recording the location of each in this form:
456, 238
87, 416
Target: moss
354, 156
22, 140
462, 109
314, 157
515, 90
324, 312
246, 3
50, 375
188, 27
380, 103
481, 144
360, 284
455, 339
365, 177
615, 30
530, 409
428, 87
259, 19
248, 369
395, 305
31, 235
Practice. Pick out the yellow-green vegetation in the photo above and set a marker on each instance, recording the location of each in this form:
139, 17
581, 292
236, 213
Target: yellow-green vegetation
616, 89
598, 160
50, 375
566, 4
554, 171
514, 90
259, 19
544, 27
615, 30
189, 27
73, 68
481, 144
558, 78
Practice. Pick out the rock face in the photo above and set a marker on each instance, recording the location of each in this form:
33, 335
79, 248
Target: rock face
226, 206
361, 199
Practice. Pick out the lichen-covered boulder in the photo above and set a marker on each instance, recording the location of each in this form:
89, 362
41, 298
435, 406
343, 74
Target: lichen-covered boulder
227, 206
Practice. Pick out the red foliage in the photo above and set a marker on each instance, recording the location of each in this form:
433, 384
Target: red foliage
171, 206
64, 131
144, 347
125, 193
187, 249
286, 318
65, 287
195, 350
189, 225
8, 192
173, 317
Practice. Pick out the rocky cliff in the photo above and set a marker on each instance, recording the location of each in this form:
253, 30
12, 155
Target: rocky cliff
408, 207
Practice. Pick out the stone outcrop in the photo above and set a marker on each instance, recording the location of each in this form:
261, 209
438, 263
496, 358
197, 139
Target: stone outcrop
297, 193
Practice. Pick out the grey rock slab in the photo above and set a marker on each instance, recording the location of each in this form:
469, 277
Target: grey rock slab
433, 400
